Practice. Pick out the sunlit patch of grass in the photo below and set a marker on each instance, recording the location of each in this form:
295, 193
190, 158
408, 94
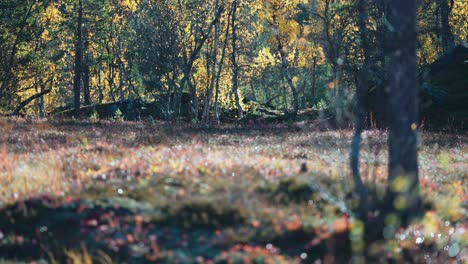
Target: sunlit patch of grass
79, 257
26, 176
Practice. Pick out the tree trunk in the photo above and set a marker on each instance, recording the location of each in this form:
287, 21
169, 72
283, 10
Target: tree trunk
193, 56
194, 97
214, 61
285, 100
86, 87
448, 42
100, 84
121, 84
361, 90
403, 189
287, 76
235, 65
110, 80
86, 67
303, 93
133, 92
314, 82
338, 96
42, 113
78, 60
207, 87
121, 68
220, 69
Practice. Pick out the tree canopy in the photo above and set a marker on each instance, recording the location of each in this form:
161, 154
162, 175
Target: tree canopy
289, 55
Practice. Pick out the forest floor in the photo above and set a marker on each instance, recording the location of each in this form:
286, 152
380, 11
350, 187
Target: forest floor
175, 193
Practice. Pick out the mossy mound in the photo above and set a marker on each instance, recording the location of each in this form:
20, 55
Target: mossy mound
131, 109
203, 214
287, 191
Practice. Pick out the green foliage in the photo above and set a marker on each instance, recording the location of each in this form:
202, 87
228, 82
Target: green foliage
154, 46
118, 115
147, 49
320, 105
94, 115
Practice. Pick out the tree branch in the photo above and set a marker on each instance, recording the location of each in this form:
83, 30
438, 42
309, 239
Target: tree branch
29, 100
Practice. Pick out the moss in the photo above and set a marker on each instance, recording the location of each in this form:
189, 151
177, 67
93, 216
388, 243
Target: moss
204, 214
286, 191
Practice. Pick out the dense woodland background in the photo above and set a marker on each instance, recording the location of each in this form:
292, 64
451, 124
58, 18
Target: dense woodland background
212, 60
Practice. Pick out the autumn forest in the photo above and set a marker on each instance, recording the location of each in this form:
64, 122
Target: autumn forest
233, 131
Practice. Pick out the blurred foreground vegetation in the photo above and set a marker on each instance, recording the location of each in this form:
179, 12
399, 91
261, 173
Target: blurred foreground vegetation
137, 192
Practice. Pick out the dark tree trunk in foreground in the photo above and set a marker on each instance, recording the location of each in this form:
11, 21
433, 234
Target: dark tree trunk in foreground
78, 60
403, 189
362, 88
